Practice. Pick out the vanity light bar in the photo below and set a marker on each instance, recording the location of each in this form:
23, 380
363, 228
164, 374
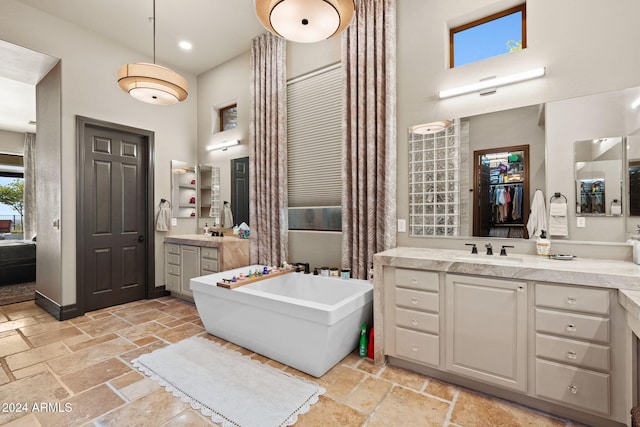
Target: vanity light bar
493, 82
635, 103
223, 145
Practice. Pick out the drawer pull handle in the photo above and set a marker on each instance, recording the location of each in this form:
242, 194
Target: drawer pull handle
573, 389
572, 300
414, 322
414, 301
414, 348
571, 327
571, 355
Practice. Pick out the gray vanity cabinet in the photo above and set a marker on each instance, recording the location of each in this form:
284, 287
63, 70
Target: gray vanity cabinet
416, 318
486, 330
574, 336
182, 263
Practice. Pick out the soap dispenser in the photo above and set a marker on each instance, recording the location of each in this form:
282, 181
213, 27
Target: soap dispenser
206, 228
543, 245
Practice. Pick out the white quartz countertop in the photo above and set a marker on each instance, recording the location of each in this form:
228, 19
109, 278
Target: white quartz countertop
205, 240
603, 273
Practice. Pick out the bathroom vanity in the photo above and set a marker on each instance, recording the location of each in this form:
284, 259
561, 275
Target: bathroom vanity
550, 334
194, 255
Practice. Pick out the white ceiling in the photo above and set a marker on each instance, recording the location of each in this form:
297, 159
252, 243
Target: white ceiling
218, 30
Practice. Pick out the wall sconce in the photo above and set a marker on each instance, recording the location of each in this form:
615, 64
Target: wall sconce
489, 85
223, 145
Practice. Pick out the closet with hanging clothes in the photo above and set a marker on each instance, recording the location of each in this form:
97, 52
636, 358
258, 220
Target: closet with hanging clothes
500, 192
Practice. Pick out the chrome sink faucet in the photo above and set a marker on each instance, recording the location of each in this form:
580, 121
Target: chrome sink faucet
489, 249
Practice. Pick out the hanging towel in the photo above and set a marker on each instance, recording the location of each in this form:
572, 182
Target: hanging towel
163, 222
227, 216
538, 216
558, 219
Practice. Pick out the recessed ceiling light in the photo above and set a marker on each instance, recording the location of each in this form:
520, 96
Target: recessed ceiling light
185, 45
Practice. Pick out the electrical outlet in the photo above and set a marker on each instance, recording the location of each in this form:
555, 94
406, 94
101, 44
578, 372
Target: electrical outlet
174, 222
581, 222
402, 226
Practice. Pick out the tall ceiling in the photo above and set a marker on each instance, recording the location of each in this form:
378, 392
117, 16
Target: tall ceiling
218, 30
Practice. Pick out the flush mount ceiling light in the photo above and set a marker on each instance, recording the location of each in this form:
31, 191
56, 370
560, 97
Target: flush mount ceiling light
430, 128
150, 82
491, 83
305, 21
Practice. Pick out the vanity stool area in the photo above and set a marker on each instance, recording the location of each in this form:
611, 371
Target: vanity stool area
553, 335
195, 255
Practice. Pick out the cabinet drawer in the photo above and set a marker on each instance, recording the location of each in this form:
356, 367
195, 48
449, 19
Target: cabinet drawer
173, 282
208, 267
417, 279
417, 300
209, 253
592, 328
426, 322
585, 355
172, 248
573, 298
173, 259
418, 346
173, 269
574, 386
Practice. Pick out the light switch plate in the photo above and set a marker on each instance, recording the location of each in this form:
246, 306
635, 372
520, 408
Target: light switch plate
402, 226
174, 222
581, 222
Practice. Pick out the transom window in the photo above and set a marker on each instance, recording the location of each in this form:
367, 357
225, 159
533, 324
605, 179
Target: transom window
497, 34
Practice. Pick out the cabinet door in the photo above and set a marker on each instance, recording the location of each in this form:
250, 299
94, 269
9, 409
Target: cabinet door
486, 330
190, 266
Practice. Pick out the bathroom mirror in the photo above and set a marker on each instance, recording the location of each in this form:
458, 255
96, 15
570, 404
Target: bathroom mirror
598, 176
183, 189
550, 130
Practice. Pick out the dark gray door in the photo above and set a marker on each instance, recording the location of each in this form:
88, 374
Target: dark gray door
240, 190
113, 262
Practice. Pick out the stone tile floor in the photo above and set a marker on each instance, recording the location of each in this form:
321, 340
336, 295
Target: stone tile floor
78, 372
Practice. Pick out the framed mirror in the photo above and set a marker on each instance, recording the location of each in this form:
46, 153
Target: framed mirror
598, 176
183, 189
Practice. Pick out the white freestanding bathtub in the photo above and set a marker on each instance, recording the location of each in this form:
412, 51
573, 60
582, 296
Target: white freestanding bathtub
307, 322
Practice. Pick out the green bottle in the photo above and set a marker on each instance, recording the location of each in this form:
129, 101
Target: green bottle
363, 340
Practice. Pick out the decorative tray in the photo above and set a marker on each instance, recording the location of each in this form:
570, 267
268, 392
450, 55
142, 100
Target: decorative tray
562, 257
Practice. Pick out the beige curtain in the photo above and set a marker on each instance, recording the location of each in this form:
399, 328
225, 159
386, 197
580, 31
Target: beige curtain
268, 152
369, 151
30, 217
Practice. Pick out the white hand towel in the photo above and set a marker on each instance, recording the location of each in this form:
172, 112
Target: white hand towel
558, 219
558, 209
163, 222
538, 216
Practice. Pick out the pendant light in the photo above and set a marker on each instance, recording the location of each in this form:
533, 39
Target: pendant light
150, 82
305, 21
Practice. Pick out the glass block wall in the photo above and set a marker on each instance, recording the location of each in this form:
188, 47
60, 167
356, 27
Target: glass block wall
434, 183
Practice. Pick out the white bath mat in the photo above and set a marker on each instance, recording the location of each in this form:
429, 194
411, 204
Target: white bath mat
232, 389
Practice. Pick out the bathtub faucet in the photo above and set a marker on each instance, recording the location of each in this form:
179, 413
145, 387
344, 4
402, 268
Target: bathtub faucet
307, 269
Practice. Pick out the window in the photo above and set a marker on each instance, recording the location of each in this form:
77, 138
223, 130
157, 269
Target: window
228, 117
494, 35
11, 191
314, 135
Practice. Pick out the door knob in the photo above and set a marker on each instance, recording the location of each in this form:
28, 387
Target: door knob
141, 238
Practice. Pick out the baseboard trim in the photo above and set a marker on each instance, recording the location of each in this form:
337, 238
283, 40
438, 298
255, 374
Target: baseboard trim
160, 291
56, 310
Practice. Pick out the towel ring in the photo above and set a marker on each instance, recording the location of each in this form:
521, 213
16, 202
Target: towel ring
557, 196
164, 201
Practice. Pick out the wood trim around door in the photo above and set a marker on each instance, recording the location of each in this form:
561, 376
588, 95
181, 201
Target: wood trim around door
81, 124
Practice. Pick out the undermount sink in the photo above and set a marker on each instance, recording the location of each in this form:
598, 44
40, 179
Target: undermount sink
489, 258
